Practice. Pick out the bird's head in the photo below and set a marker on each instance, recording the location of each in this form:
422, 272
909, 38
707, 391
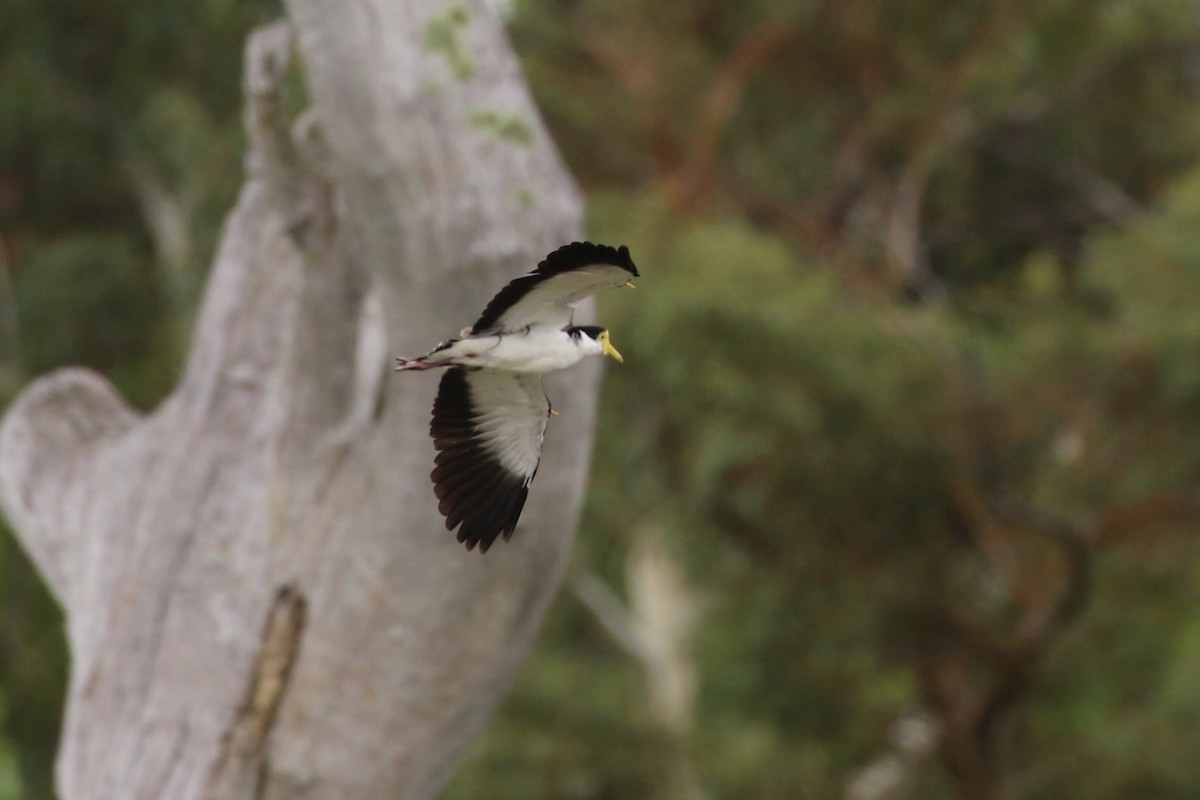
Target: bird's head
595, 339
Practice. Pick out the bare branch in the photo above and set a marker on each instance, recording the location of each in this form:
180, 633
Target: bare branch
893, 775
609, 610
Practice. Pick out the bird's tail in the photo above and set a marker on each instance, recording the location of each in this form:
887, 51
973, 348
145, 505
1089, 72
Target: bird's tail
441, 356
414, 363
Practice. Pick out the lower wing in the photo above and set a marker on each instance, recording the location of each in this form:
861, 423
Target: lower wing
487, 427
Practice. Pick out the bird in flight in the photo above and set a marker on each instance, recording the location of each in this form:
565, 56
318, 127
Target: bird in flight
491, 411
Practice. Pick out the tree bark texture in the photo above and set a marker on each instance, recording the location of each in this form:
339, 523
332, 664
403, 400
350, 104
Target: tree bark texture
262, 600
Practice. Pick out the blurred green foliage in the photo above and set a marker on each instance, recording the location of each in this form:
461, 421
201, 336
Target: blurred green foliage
911, 393
963, 503
33, 666
812, 451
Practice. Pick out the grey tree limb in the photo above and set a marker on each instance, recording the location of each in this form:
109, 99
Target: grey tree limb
261, 599
656, 628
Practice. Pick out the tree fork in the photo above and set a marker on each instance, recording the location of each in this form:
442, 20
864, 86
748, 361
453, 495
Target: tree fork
261, 599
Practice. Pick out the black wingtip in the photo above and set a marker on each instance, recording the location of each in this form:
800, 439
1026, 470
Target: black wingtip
578, 254
627, 262
564, 259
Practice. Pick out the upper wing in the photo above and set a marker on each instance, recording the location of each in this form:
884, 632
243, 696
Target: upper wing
487, 426
548, 295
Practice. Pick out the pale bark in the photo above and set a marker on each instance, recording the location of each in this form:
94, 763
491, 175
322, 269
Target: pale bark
262, 601
894, 774
656, 628
166, 213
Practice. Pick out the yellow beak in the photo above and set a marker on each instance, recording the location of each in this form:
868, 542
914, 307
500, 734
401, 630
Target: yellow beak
608, 349
629, 284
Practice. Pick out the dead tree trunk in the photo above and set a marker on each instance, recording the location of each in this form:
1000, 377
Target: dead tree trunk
262, 601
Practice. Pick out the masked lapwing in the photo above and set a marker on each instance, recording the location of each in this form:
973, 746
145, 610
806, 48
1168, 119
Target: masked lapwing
491, 412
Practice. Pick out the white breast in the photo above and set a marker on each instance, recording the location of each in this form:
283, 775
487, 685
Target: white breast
538, 350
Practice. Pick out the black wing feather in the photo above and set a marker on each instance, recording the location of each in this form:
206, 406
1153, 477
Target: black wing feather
494, 518
473, 488
565, 259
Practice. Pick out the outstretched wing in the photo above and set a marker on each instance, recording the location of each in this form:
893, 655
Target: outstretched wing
487, 427
548, 295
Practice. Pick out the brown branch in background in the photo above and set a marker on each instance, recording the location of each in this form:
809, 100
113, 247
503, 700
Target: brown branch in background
10, 361
986, 535
695, 181
973, 676
1040, 626
1076, 549
943, 676
689, 167
637, 67
1156, 513
973, 679
890, 214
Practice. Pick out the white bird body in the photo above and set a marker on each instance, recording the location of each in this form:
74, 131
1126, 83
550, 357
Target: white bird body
537, 349
491, 412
